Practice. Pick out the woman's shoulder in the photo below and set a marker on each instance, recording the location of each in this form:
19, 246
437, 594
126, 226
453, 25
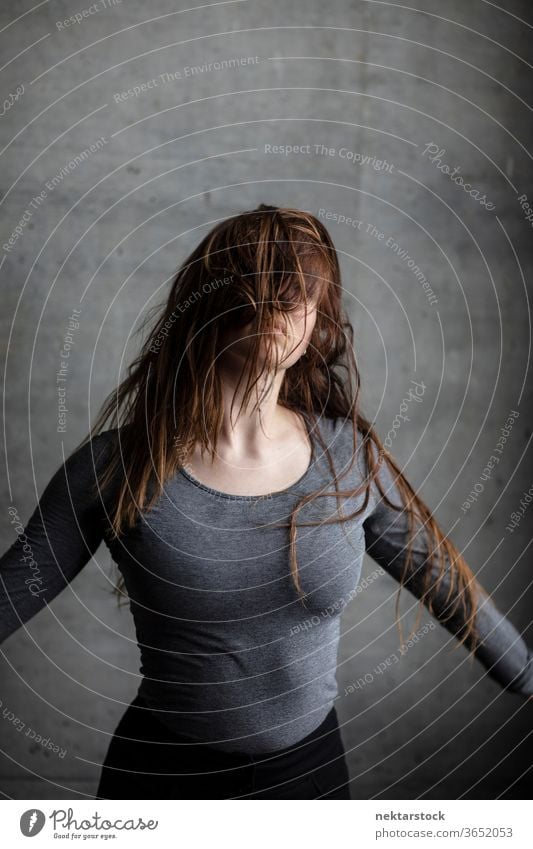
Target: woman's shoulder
339, 431
95, 450
97, 443
343, 439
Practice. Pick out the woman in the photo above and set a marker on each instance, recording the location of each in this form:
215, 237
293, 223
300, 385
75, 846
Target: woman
238, 491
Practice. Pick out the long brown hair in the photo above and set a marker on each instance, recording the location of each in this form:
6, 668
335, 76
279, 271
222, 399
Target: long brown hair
250, 268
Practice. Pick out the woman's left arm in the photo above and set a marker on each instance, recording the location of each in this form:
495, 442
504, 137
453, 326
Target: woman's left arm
501, 648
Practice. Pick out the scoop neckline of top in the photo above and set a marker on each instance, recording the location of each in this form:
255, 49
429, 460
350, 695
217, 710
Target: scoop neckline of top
232, 497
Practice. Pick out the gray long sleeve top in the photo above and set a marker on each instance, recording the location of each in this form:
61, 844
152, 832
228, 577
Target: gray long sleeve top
229, 655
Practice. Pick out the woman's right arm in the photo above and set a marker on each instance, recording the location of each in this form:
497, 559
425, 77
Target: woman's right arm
60, 537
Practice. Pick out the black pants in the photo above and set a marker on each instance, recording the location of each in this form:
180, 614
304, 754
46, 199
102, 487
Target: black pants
145, 761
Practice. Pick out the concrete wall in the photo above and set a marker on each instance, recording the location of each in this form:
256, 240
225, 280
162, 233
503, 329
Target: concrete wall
371, 85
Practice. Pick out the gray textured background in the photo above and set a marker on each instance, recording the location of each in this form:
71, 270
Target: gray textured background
371, 77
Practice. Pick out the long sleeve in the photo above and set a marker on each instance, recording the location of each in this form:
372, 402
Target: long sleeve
60, 537
501, 649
